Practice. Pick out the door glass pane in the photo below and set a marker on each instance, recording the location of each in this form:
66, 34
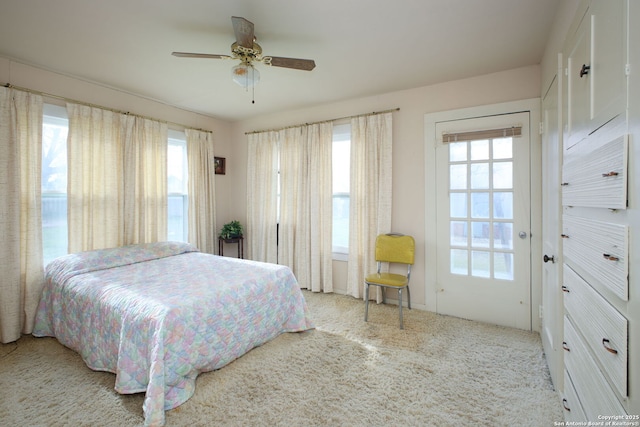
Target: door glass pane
480, 236
459, 233
503, 148
480, 175
458, 177
458, 205
480, 265
503, 265
503, 205
459, 261
503, 235
479, 205
503, 175
458, 152
480, 150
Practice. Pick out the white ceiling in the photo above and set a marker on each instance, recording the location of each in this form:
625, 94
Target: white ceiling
361, 47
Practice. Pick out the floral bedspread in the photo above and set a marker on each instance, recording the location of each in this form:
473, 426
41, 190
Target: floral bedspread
159, 314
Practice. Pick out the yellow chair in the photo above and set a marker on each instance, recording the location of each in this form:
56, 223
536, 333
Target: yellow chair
392, 248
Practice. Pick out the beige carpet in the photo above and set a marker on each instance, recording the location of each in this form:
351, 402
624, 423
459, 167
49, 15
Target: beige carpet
439, 371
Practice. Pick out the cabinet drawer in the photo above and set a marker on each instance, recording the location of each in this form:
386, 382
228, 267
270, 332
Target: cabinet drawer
597, 178
600, 249
594, 392
572, 408
602, 326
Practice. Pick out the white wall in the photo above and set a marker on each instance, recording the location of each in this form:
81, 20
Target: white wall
409, 149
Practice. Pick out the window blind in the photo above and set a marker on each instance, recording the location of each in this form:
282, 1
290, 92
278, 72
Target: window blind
514, 131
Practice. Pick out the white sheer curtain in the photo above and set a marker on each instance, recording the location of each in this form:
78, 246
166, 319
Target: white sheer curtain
145, 181
117, 179
262, 196
370, 194
306, 204
95, 186
21, 273
202, 213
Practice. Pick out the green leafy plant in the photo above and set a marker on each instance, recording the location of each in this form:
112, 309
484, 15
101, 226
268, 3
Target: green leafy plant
231, 230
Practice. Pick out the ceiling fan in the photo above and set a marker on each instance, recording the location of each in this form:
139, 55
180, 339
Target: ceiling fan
248, 51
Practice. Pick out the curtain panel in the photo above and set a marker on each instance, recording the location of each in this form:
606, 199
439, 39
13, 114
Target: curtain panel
262, 196
202, 214
117, 179
145, 181
306, 204
370, 195
95, 185
20, 211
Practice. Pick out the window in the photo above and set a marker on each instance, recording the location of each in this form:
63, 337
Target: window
177, 188
55, 126
340, 170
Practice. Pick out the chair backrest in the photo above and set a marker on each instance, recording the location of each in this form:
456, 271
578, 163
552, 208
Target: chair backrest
396, 248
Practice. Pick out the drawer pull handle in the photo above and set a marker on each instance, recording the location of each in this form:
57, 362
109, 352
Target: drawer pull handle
610, 257
612, 173
565, 346
564, 236
584, 70
564, 405
605, 343
565, 289
564, 184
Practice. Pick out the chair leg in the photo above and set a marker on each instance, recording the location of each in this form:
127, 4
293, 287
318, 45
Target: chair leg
409, 297
400, 307
366, 301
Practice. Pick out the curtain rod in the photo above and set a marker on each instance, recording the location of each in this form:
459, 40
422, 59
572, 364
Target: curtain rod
324, 121
87, 104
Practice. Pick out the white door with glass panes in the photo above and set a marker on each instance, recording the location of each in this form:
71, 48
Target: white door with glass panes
483, 219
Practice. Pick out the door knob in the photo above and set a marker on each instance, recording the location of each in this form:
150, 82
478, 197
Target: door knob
548, 258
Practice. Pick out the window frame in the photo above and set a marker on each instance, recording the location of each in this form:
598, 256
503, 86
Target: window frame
179, 138
53, 115
341, 134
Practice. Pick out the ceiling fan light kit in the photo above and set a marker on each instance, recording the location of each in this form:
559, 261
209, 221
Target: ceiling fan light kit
248, 51
245, 75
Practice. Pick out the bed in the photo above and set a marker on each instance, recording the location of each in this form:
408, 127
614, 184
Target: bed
159, 314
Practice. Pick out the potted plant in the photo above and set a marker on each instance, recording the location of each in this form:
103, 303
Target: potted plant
231, 230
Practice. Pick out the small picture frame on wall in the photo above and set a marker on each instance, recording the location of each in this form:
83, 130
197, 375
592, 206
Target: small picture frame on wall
220, 165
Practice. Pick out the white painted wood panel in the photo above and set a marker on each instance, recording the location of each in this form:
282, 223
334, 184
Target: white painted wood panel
597, 178
602, 326
600, 249
595, 394
571, 403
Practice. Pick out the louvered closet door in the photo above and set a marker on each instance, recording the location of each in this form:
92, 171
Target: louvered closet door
483, 221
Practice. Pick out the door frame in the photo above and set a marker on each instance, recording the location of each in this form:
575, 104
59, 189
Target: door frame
533, 107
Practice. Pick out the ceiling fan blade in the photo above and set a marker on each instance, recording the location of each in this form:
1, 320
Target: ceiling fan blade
244, 32
295, 63
199, 55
